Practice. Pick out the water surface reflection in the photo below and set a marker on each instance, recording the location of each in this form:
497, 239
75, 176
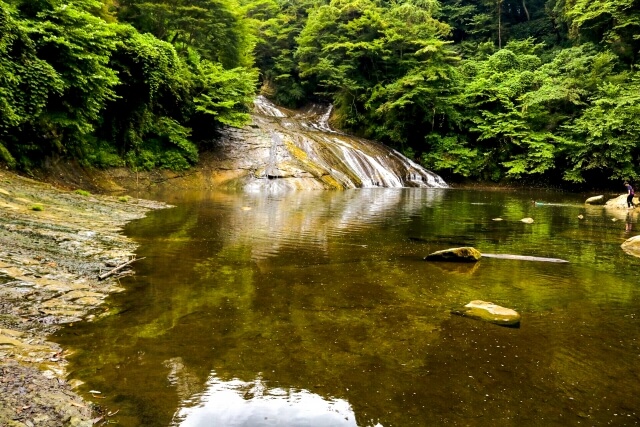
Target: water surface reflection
253, 404
323, 299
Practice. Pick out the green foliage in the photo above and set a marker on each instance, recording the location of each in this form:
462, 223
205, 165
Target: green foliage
490, 89
102, 155
614, 22
74, 82
605, 137
520, 112
6, 157
213, 27
81, 192
37, 208
27, 84
384, 67
77, 45
512, 107
453, 155
223, 94
278, 24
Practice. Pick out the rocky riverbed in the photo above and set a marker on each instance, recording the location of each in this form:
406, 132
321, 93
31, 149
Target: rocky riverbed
53, 245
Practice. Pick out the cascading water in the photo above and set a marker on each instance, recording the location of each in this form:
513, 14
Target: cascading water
298, 149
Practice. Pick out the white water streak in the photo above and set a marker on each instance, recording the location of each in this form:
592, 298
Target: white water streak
343, 157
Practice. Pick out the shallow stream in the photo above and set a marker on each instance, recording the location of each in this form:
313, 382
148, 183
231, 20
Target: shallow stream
315, 308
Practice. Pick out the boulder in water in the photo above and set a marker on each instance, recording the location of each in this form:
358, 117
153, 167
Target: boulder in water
619, 202
490, 312
463, 254
632, 246
595, 200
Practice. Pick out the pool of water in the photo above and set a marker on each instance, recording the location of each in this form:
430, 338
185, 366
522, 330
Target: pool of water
317, 309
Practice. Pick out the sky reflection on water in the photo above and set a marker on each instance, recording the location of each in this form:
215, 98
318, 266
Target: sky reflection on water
237, 403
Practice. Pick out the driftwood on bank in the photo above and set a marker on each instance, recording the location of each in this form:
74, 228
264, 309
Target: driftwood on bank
118, 268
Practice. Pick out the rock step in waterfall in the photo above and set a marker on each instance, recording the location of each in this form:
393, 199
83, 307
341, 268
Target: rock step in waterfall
287, 149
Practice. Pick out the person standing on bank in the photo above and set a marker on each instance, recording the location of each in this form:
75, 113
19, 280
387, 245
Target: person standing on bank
630, 194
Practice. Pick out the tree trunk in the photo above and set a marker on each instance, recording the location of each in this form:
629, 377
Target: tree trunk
526, 10
499, 24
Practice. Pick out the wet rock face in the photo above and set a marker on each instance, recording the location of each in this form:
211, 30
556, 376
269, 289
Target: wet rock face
490, 312
285, 149
464, 254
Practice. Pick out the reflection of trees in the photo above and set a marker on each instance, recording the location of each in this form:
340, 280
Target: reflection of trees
311, 219
325, 292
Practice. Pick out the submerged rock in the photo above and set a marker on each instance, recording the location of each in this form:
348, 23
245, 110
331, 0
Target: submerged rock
596, 200
632, 246
490, 312
464, 254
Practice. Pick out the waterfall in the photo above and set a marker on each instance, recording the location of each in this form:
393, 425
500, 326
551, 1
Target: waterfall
271, 169
297, 149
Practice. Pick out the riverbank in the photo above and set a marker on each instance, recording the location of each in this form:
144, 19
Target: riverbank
53, 245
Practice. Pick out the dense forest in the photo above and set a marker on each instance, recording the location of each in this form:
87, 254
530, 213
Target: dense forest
547, 90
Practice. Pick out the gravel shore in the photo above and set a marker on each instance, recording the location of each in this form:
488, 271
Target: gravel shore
53, 245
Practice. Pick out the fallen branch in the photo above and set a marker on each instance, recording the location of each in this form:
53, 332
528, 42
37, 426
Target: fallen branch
118, 268
524, 258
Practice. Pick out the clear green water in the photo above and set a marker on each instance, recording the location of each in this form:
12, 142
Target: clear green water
316, 309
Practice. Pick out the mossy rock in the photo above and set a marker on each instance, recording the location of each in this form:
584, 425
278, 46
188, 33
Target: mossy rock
463, 254
490, 312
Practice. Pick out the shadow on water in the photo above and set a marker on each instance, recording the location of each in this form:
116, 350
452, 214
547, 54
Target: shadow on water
315, 308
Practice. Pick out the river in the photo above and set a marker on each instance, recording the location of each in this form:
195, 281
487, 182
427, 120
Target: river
316, 308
